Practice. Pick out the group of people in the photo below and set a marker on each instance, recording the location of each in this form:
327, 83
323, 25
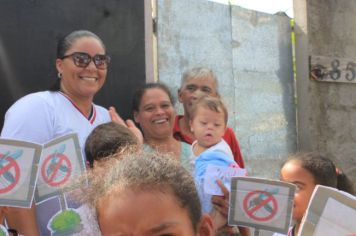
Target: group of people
143, 177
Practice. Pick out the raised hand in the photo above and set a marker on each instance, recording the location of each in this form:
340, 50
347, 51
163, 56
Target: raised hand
115, 117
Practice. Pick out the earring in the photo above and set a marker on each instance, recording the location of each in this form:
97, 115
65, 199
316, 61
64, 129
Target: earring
59, 75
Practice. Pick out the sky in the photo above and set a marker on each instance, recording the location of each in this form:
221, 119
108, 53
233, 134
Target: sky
268, 6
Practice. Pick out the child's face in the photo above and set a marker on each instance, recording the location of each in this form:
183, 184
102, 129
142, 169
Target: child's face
208, 126
150, 213
292, 172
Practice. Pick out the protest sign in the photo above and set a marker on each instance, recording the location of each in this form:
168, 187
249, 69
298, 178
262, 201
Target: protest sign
330, 212
261, 204
61, 163
18, 172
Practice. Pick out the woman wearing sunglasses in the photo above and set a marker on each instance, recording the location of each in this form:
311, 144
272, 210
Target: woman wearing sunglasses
66, 108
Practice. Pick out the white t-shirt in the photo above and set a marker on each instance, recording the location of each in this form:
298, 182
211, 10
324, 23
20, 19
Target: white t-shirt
42, 116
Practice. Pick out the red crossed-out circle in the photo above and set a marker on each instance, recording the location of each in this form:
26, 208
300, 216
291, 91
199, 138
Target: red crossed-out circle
10, 165
252, 211
55, 179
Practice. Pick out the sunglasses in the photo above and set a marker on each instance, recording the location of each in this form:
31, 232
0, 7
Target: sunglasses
82, 59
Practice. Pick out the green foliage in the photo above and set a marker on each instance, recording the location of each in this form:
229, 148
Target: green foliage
3, 231
66, 221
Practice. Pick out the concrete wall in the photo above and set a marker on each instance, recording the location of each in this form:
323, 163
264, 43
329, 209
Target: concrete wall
252, 56
327, 111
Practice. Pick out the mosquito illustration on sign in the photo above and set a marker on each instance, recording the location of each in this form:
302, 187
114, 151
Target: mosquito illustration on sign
56, 168
261, 204
9, 170
61, 163
18, 170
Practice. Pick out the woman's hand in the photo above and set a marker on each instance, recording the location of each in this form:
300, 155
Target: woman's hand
115, 116
129, 124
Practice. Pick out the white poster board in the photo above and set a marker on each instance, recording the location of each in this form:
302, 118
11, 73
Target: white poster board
330, 212
261, 204
18, 172
223, 173
61, 163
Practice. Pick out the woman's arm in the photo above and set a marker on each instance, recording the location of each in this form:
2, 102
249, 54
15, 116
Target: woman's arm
28, 119
22, 220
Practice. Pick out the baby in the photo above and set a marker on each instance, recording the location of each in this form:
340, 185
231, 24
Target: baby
107, 139
208, 123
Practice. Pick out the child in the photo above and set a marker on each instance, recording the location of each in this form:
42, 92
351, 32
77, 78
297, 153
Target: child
306, 170
196, 82
107, 139
208, 124
145, 194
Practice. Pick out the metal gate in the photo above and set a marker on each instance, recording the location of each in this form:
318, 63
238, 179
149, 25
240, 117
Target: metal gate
251, 53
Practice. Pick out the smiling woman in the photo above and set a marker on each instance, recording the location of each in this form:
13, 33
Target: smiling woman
67, 108
79, 78
153, 110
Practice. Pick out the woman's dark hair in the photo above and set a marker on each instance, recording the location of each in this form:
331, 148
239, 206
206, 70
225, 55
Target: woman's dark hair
137, 97
323, 170
65, 43
107, 139
344, 183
